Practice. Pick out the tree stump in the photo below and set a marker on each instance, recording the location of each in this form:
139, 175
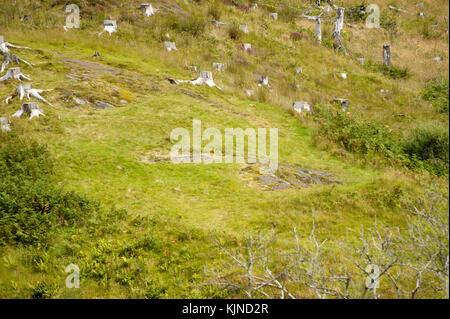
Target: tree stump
360, 60
4, 46
342, 75
302, 107
12, 58
170, 46
249, 92
243, 28
4, 124
14, 73
110, 26
298, 70
247, 46
387, 55
148, 9
319, 30
343, 103
263, 80
31, 108
206, 78
273, 15
219, 66
338, 27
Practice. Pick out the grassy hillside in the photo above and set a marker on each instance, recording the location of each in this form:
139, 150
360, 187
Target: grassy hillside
142, 228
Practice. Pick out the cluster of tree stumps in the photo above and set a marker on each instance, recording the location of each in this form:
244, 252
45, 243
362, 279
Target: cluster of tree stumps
23, 89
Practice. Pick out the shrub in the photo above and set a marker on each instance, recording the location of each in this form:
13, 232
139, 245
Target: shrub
355, 136
32, 206
429, 144
436, 91
193, 25
394, 72
234, 32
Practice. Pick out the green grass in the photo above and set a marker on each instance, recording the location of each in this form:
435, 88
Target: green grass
151, 236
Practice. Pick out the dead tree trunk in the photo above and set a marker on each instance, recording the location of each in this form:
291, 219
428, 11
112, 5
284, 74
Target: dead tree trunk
12, 58
31, 108
338, 27
319, 30
14, 73
387, 55
4, 124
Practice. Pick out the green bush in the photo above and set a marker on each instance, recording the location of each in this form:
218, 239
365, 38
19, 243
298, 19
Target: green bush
358, 137
32, 205
394, 72
431, 145
436, 92
193, 25
426, 148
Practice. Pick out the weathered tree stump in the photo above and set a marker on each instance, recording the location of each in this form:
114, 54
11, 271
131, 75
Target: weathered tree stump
148, 9
273, 15
243, 28
26, 90
4, 46
387, 54
170, 46
4, 124
219, 66
110, 26
12, 58
96, 55
302, 107
249, 92
361, 60
342, 75
263, 80
338, 27
247, 46
298, 70
31, 108
343, 103
319, 30
14, 73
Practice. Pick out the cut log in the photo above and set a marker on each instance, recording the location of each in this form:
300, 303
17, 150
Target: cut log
110, 26
243, 28
170, 46
263, 80
14, 73
387, 54
302, 107
206, 78
219, 66
273, 15
31, 108
218, 23
12, 58
343, 103
338, 27
4, 124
